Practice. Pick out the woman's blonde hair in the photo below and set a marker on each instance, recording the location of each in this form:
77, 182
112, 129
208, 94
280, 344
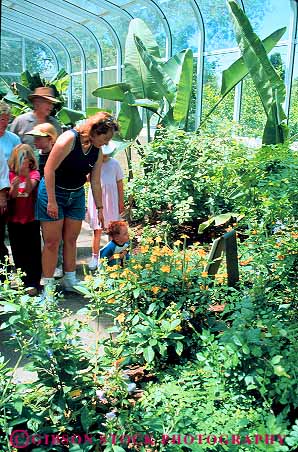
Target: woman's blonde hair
17, 156
98, 124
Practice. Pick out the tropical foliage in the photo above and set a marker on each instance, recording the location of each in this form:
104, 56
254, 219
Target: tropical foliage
17, 93
163, 88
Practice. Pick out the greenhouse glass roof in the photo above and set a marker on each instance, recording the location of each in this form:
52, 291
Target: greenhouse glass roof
87, 38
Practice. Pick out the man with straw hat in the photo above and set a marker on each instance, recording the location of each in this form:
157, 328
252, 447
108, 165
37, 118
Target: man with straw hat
43, 100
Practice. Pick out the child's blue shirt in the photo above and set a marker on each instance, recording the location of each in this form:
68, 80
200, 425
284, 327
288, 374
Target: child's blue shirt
112, 248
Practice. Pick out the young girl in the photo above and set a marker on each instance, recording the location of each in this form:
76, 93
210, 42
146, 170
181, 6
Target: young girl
23, 229
112, 197
119, 244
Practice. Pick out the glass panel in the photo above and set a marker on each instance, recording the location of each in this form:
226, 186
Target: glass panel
90, 50
268, 16
60, 54
183, 23
73, 49
120, 24
109, 77
293, 115
8, 48
107, 43
92, 84
213, 67
76, 92
153, 21
218, 26
253, 117
39, 59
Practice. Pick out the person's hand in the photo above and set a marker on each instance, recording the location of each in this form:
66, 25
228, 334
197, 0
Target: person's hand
100, 218
52, 210
123, 254
15, 182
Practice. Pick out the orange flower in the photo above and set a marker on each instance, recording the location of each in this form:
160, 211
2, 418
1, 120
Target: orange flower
118, 361
144, 249
153, 258
165, 268
246, 262
201, 252
120, 318
204, 274
294, 235
155, 289
158, 239
111, 300
280, 257
184, 236
177, 243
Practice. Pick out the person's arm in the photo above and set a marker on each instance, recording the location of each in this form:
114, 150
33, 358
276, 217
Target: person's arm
60, 150
14, 187
120, 196
95, 177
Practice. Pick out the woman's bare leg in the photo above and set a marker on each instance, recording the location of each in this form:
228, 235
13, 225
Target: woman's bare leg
96, 241
71, 231
52, 234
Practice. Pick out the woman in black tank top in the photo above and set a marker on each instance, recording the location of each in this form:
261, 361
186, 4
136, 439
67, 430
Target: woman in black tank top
60, 204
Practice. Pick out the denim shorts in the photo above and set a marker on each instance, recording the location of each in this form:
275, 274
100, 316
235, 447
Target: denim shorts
71, 204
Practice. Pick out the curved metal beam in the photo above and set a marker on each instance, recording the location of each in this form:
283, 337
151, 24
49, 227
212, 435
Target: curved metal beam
291, 55
29, 37
83, 71
169, 37
94, 38
39, 35
200, 62
90, 16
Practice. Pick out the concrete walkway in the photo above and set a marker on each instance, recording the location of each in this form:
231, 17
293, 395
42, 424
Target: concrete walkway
72, 301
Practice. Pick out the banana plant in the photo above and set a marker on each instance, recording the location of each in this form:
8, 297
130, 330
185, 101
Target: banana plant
157, 87
238, 70
269, 85
17, 95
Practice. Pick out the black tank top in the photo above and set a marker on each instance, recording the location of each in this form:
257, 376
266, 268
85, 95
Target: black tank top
72, 172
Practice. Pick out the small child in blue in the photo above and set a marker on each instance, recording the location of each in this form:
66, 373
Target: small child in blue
119, 244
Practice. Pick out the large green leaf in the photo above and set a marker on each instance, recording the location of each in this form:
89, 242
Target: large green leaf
23, 92
26, 79
69, 117
4, 87
269, 85
166, 85
12, 98
146, 103
238, 70
60, 75
184, 89
143, 84
129, 120
112, 92
90, 111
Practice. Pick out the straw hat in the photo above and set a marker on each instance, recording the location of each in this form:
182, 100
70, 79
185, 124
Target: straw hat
46, 92
44, 130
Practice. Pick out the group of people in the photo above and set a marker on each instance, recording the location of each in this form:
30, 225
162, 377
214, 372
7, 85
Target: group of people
42, 177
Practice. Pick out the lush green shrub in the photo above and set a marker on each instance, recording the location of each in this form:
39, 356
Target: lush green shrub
184, 177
